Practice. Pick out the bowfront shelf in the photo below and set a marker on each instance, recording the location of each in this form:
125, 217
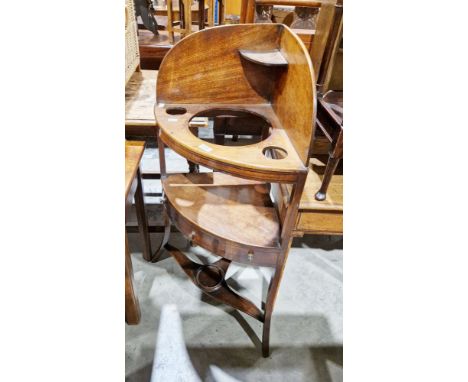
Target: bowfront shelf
227, 215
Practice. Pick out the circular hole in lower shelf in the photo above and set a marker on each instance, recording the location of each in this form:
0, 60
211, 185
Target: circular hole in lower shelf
176, 110
273, 152
230, 127
210, 277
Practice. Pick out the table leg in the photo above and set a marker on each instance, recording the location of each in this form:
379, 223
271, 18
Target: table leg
132, 307
142, 218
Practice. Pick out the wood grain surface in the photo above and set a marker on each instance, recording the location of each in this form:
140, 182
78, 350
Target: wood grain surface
133, 153
231, 208
140, 96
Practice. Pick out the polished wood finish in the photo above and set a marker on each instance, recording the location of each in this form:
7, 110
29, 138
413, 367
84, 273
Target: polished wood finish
268, 74
214, 80
250, 88
204, 206
248, 161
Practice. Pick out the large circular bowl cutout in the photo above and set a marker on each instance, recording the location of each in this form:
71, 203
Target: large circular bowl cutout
229, 127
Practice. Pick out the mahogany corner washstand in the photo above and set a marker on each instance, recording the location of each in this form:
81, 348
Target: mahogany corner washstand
238, 211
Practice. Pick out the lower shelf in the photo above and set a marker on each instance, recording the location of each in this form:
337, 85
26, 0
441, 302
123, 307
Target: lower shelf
231, 217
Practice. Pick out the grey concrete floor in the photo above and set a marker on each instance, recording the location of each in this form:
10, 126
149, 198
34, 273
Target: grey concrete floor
202, 340
306, 332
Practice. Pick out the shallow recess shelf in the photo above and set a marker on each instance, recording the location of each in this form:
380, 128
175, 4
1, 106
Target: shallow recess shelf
267, 58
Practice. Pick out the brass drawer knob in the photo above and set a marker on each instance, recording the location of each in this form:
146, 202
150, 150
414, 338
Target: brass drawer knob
192, 238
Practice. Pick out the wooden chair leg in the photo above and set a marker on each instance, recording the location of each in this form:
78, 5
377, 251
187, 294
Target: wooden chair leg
142, 218
132, 307
329, 171
210, 13
187, 5
334, 155
221, 12
170, 20
201, 14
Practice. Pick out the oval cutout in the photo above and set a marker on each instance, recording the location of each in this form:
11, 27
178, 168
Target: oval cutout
274, 152
176, 110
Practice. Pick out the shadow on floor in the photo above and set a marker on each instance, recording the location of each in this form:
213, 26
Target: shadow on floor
218, 355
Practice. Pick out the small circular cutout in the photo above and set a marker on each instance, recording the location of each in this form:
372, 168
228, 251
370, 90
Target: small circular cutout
176, 110
273, 152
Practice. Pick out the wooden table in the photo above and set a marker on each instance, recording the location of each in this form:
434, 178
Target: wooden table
133, 189
320, 217
140, 97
